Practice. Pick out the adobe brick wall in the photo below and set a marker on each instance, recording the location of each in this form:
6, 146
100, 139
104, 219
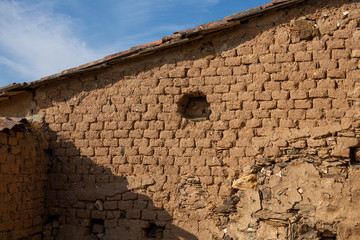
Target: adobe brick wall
23, 168
276, 158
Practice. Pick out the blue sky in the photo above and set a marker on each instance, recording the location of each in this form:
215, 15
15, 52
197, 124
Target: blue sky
43, 37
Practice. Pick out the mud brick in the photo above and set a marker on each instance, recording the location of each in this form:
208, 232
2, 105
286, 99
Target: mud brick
261, 114
307, 84
261, 77
347, 141
272, 68
316, 74
284, 57
260, 49
148, 214
255, 86
212, 80
147, 151
314, 114
337, 93
279, 113
288, 85
318, 93
151, 134
335, 44
254, 123
328, 64
342, 34
287, 123
229, 96
285, 104
152, 99
83, 213
297, 114
279, 76
167, 134
322, 104
268, 105
236, 123
201, 63
238, 87
348, 64
297, 76
62, 118
110, 205
340, 103
249, 59
269, 58
303, 56
171, 170
106, 134
187, 142
250, 105
328, 84
256, 68
272, 86
304, 66
229, 53
208, 72
301, 144
244, 50
280, 95
340, 54
178, 73
303, 104
263, 96
125, 205
203, 143
241, 70
355, 53
322, 55
221, 89
197, 81
233, 61
297, 47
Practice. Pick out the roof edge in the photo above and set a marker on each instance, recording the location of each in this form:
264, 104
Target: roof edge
10, 123
178, 38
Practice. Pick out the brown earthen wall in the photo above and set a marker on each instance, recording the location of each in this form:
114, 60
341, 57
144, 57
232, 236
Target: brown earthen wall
275, 159
23, 168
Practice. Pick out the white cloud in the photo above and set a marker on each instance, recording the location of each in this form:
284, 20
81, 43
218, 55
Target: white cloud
36, 42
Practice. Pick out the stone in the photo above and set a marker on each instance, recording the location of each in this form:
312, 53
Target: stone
303, 29
99, 205
245, 182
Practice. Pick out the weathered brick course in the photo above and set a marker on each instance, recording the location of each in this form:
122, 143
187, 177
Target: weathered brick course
23, 178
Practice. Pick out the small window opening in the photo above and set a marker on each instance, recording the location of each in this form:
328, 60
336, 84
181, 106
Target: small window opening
123, 214
327, 235
97, 226
194, 107
154, 231
52, 219
355, 156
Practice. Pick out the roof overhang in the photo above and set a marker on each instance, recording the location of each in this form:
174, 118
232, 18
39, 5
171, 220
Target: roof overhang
178, 38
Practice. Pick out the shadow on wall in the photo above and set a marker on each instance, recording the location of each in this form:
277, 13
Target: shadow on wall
157, 65
87, 201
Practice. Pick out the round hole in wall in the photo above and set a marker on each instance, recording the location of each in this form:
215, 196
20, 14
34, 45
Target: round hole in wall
193, 106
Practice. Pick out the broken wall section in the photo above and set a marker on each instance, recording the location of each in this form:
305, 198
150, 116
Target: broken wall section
23, 169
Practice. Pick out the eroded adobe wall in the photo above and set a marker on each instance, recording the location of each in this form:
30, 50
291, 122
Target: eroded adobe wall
23, 168
271, 153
